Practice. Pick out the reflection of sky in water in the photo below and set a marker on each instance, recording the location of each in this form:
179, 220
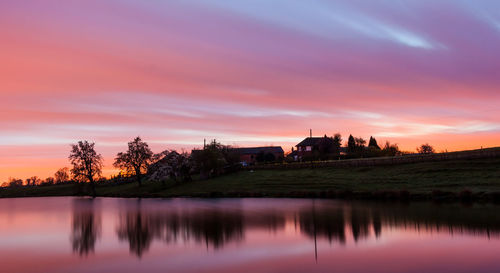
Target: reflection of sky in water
249, 235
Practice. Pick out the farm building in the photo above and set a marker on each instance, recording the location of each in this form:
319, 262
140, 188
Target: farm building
251, 155
310, 145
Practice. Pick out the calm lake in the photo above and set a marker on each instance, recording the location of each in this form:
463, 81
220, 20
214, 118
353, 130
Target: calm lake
245, 235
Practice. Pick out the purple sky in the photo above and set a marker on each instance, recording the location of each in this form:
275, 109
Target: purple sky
255, 72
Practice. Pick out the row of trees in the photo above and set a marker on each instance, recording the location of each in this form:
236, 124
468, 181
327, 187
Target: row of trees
356, 147
139, 161
60, 177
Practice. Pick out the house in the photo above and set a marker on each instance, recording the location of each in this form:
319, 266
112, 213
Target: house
307, 146
251, 155
311, 146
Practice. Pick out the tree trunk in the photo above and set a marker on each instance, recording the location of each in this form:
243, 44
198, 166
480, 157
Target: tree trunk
92, 188
139, 178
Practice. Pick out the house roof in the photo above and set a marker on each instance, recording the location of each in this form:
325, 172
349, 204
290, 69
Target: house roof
256, 150
310, 141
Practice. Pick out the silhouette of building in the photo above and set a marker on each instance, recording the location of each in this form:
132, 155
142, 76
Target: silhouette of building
310, 145
251, 154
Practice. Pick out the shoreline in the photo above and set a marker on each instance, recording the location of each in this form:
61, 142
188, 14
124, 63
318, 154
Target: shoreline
391, 196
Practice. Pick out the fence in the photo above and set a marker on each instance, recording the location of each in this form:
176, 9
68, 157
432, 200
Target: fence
380, 161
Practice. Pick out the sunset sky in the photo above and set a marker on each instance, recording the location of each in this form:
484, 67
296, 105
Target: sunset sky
246, 72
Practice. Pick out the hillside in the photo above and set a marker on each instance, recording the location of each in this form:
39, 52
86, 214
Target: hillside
473, 178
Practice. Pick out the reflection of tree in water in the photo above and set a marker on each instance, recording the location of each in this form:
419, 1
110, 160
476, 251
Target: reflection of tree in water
478, 220
212, 228
86, 227
360, 223
365, 219
377, 223
333, 221
136, 230
328, 223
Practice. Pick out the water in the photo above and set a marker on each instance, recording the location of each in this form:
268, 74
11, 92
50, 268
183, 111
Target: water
245, 235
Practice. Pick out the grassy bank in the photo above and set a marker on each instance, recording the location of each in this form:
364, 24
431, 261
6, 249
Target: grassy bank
464, 179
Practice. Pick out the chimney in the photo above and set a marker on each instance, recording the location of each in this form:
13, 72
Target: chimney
204, 143
310, 133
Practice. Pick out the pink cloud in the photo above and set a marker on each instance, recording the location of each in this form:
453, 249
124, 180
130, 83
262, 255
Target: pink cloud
179, 73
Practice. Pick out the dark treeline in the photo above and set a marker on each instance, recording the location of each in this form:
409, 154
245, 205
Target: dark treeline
215, 227
139, 162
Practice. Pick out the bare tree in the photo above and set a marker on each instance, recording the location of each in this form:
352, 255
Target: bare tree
33, 181
390, 149
426, 149
360, 142
62, 175
136, 159
47, 182
14, 182
87, 163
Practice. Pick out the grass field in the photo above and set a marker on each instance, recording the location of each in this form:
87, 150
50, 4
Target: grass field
478, 177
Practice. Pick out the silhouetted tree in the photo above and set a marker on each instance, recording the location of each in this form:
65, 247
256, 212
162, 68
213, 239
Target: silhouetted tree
34, 180
373, 143
351, 144
87, 163
62, 175
360, 143
390, 149
337, 143
48, 181
215, 159
136, 159
326, 148
426, 149
356, 146
15, 182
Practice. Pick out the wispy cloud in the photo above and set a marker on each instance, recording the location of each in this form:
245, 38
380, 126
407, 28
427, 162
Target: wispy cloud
249, 72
